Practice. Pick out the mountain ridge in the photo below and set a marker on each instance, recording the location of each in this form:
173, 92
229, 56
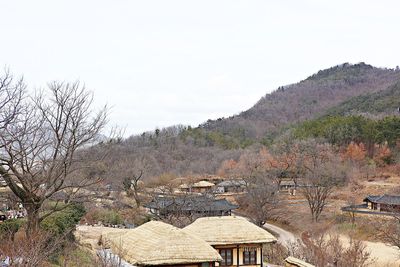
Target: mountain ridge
307, 99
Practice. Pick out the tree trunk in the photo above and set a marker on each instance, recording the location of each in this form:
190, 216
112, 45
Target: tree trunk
136, 197
370, 149
33, 218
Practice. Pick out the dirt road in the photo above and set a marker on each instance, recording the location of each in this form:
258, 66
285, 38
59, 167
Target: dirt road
382, 254
285, 238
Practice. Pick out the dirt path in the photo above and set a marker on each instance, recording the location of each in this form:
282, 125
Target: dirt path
384, 255
285, 238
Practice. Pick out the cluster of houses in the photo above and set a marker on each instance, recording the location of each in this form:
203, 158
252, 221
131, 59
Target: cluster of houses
208, 241
203, 198
223, 186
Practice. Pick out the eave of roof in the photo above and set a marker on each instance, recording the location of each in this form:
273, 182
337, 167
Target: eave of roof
191, 203
384, 199
227, 230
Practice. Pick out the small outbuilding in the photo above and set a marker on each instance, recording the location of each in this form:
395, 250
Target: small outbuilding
386, 203
287, 185
231, 186
199, 187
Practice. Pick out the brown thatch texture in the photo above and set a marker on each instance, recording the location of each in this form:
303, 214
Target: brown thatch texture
297, 262
228, 230
89, 236
203, 184
158, 243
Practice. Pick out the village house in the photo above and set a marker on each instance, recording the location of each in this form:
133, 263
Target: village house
199, 187
190, 205
288, 186
291, 185
231, 186
386, 203
208, 242
238, 241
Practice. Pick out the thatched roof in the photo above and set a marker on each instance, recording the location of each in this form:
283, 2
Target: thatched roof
203, 184
228, 230
158, 243
297, 262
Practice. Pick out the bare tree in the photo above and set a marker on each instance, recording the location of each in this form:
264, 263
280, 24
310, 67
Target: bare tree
133, 174
11, 95
261, 200
41, 147
352, 208
321, 249
388, 229
29, 252
322, 175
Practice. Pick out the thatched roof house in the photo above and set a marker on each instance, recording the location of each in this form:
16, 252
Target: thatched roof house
229, 230
158, 243
209, 241
238, 241
199, 187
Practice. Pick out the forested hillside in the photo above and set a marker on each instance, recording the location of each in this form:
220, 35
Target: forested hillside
343, 104
307, 99
384, 102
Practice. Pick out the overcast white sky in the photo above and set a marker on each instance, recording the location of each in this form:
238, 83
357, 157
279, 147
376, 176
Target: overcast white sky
159, 63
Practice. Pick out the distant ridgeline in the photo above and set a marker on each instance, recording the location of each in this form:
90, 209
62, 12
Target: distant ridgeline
346, 103
345, 89
311, 107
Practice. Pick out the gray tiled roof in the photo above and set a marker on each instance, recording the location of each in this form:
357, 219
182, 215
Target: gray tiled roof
228, 183
384, 199
190, 203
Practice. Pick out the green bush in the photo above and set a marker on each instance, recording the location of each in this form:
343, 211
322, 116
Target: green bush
105, 216
63, 221
11, 226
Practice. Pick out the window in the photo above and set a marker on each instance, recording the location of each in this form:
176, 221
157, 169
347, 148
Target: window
227, 257
250, 257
